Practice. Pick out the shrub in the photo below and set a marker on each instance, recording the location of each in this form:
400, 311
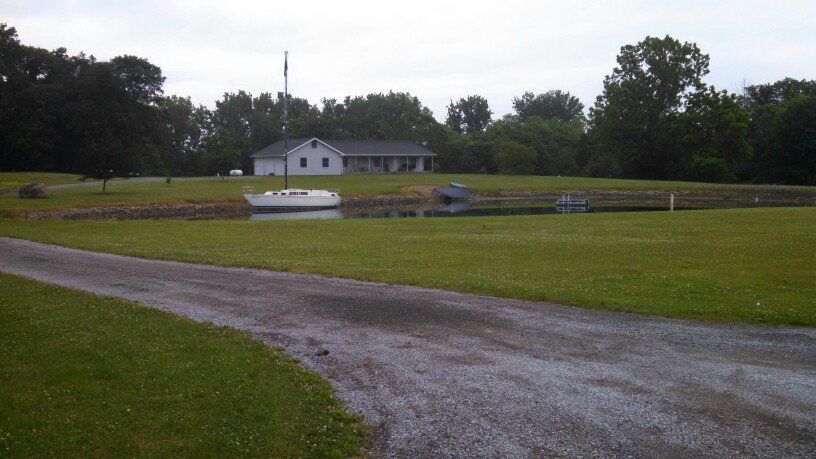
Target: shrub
514, 158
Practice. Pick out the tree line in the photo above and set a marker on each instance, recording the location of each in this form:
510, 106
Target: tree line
655, 119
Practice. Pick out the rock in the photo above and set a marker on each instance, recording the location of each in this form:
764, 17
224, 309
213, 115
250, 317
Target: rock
322, 352
33, 190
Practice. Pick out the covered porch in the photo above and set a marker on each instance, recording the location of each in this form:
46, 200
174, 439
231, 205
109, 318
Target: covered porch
382, 164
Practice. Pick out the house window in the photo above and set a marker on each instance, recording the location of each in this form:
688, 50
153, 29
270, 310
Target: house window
314, 143
325, 162
303, 162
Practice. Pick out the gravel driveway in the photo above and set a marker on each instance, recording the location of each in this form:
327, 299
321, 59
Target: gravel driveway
446, 374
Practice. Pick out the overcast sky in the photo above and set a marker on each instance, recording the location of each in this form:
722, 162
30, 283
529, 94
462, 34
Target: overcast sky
436, 50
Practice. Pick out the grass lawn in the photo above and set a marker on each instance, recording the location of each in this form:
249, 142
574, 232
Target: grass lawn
86, 375
210, 188
14, 180
746, 265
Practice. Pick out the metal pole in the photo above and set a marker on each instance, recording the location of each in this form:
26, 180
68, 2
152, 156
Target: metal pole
286, 120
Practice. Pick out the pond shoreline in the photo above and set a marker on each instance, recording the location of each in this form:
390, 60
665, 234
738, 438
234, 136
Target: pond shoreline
239, 207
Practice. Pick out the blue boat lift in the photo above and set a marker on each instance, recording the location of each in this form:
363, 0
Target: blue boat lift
453, 192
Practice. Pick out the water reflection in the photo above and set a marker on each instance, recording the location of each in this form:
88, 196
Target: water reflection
455, 210
305, 215
455, 207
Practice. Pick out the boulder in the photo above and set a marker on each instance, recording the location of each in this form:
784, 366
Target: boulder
34, 190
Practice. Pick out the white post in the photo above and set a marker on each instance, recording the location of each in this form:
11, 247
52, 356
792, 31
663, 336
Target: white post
369, 164
671, 202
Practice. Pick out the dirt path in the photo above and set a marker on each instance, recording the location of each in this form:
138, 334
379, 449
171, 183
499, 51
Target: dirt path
446, 374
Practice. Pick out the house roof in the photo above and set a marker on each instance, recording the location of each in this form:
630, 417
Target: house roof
351, 148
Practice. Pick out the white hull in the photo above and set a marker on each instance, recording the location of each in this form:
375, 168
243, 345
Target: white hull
292, 202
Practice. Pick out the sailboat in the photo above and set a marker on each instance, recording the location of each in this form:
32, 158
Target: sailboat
290, 199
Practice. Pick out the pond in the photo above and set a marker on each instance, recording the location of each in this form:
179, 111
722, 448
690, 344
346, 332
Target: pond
458, 210
398, 208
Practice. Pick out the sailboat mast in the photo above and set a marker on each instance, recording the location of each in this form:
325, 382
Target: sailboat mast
286, 120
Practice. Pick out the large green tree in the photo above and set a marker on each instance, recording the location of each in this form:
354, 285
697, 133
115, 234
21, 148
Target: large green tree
766, 103
233, 118
553, 104
712, 136
187, 127
792, 154
554, 141
112, 139
139, 77
632, 119
224, 151
76, 114
470, 115
390, 116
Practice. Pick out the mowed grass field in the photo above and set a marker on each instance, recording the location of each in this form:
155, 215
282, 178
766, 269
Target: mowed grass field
85, 375
211, 188
14, 180
743, 265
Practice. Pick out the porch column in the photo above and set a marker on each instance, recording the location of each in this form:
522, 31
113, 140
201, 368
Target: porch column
369, 164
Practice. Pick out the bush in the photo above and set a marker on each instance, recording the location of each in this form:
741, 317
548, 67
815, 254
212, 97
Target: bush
604, 166
514, 158
709, 169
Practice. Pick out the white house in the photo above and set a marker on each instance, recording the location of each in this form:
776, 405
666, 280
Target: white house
337, 157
